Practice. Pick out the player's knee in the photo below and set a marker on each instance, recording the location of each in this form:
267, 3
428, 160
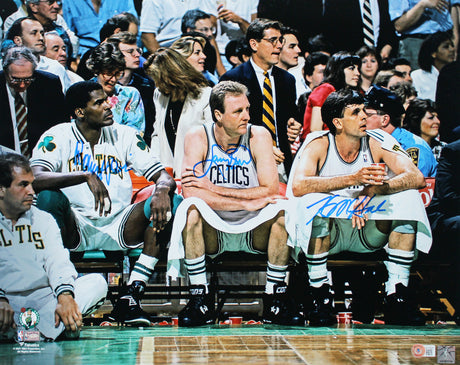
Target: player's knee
320, 227
55, 203
193, 216
405, 227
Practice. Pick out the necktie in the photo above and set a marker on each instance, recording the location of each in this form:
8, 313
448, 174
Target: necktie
21, 123
368, 28
268, 117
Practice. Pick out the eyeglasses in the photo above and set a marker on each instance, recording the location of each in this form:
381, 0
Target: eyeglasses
274, 40
107, 76
206, 30
51, 2
19, 80
131, 51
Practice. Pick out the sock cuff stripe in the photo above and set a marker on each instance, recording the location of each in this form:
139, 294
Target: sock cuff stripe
196, 272
318, 256
316, 263
198, 260
143, 267
147, 273
402, 258
317, 280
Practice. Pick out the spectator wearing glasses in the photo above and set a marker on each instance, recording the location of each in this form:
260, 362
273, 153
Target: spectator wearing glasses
161, 20
29, 32
265, 40
58, 22
108, 64
200, 22
44, 109
46, 12
135, 76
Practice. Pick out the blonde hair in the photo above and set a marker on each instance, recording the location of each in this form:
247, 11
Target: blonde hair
184, 45
174, 75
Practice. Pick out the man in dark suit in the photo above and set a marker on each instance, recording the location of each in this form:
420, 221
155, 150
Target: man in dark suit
444, 216
265, 40
343, 26
40, 91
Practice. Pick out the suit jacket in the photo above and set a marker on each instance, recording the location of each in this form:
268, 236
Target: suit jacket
285, 101
45, 104
446, 198
343, 25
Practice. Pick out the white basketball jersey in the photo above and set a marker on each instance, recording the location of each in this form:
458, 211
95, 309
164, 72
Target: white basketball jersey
234, 168
336, 166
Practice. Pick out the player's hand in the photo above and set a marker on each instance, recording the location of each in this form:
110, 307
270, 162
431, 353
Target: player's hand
160, 208
229, 16
192, 179
102, 201
279, 156
439, 5
256, 204
6, 316
67, 312
370, 175
359, 218
293, 129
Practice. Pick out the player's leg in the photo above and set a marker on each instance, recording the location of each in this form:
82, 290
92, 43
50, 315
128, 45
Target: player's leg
321, 313
199, 239
136, 230
279, 307
58, 205
399, 307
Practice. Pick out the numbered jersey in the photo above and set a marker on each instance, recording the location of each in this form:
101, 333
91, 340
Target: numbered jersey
119, 149
32, 255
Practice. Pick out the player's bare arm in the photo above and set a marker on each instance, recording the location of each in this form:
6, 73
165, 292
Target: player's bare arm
194, 183
160, 204
306, 179
408, 176
49, 180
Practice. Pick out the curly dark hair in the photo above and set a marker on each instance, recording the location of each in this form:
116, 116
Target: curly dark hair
106, 57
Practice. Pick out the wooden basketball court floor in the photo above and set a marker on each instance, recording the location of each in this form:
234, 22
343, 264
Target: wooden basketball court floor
247, 344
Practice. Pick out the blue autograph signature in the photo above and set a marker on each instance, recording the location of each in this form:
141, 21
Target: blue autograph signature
104, 167
330, 207
229, 161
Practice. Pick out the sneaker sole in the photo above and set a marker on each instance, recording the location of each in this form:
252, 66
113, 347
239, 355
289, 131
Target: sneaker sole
138, 322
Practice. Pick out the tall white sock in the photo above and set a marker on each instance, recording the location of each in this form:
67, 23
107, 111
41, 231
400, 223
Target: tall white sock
143, 268
275, 275
317, 269
398, 267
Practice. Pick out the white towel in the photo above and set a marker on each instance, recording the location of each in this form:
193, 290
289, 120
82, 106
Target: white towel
176, 253
405, 205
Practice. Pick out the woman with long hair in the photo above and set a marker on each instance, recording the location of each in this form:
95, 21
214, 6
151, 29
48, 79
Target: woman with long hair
422, 119
193, 48
107, 63
342, 71
181, 102
436, 51
370, 64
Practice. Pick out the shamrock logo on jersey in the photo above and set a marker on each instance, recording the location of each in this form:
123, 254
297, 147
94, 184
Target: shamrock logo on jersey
141, 144
47, 144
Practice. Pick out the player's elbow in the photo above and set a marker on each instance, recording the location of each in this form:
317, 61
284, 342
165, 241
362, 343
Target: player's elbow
297, 189
420, 181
